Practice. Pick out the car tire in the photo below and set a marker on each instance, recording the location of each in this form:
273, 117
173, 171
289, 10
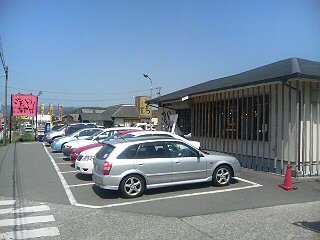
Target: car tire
221, 176
132, 186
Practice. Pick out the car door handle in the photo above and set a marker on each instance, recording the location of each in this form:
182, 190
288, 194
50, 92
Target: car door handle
140, 163
178, 161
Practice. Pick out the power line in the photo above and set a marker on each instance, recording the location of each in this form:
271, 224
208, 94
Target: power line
77, 93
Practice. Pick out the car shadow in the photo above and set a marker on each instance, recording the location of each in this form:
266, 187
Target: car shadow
84, 177
67, 159
54, 151
110, 194
186, 187
106, 194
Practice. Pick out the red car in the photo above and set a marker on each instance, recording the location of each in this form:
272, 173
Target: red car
76, 152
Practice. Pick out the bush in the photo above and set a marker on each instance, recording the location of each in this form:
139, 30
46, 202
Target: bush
25, 137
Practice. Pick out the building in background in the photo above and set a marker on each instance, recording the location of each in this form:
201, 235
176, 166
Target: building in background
119, 115
266, 117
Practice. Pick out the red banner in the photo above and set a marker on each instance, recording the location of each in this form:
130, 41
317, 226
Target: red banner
24, 105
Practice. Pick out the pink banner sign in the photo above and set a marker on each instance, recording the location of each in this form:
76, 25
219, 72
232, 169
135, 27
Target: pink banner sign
24, 105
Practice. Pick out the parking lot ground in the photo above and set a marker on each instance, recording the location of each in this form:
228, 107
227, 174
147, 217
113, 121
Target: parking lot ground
38, 180
253, 190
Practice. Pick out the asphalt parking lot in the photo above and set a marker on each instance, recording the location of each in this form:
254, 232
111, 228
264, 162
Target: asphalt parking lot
31, 171
254, 189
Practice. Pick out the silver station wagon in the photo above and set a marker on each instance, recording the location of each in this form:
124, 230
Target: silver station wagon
133, 165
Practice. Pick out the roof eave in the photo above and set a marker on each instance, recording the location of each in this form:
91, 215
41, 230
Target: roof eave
269, 80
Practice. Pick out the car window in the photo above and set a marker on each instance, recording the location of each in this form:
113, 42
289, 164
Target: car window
129, 153
152, 150
95, 135
104, 135
85, 133
105, 151
177, 149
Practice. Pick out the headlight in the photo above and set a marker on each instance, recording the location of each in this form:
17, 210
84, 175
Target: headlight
87, 158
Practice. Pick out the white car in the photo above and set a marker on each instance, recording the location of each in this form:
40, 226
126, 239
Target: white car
84, 162
58, 143
69, 147
195, 144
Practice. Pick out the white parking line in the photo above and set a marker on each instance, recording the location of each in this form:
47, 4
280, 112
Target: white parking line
170, 197
26, 220
70, 171
63, 163
247, 181
70, 196
25, 209
7, 202
82, 184
62, 157
34, 233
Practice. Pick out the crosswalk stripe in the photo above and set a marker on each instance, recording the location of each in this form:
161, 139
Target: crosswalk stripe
26, 220
7, 202
25, 209
34, 233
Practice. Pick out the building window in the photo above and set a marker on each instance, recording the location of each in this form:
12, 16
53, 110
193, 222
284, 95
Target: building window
223, 118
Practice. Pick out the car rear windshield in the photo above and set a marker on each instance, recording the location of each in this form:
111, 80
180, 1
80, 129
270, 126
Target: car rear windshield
105, 150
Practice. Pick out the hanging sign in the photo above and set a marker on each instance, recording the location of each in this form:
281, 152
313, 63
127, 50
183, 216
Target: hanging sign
60, 112
42, 109
24, 105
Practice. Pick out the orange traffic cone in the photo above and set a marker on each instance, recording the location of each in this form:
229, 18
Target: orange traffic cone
287, 185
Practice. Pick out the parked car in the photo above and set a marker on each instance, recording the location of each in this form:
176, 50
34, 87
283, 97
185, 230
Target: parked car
50, 136
66, 130
84, 161
76, 152
95, 138
196, 144
59, 143
133, 165
55, 128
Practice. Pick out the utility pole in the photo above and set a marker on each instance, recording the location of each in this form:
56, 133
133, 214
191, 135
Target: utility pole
5, 107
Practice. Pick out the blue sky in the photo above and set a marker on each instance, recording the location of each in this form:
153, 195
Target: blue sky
94, 52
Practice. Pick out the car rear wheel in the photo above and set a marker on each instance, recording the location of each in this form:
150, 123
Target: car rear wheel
132, 186
221, 176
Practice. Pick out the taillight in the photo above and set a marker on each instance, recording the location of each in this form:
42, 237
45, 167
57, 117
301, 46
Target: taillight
107, 168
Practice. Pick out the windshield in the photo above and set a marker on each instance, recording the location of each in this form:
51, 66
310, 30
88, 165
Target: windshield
95, 135
112, 137
61, 128
75, 133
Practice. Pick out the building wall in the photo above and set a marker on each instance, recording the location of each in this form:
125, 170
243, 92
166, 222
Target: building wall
280, 143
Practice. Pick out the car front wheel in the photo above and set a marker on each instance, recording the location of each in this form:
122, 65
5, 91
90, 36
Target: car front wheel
221, 176
132, 186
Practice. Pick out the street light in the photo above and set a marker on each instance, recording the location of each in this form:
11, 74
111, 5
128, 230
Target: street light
147, 76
